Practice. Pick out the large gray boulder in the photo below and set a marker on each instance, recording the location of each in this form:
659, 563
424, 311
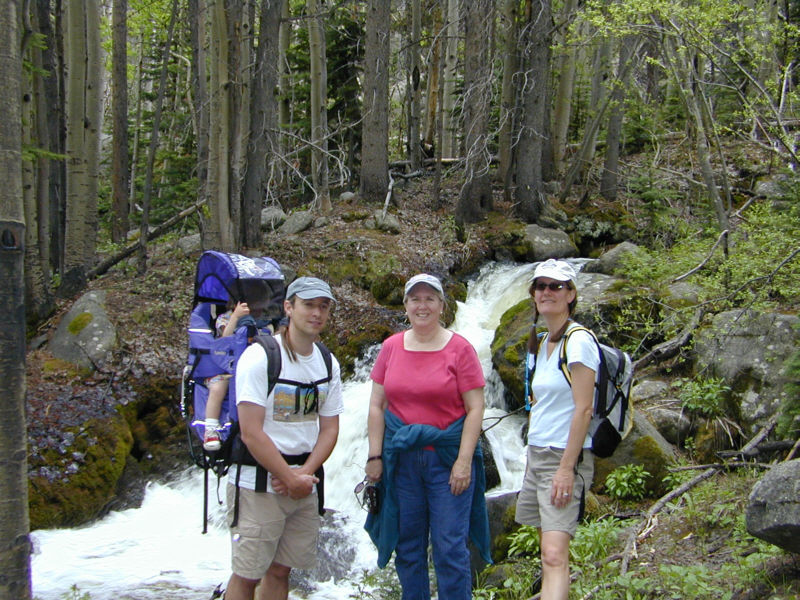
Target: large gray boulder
749, 349
548, 243
610, 260
85, 336
773, 509
297, 222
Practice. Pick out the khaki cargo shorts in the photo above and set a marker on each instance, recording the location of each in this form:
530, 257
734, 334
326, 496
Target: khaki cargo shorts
272, 528
533, 503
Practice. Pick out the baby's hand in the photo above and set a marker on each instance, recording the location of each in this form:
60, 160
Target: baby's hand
241, 309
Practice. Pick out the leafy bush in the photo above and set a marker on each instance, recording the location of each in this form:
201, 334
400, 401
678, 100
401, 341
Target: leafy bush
524, 541
704, 397
627, 482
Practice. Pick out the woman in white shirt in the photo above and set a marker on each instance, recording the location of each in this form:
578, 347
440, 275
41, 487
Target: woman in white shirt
560, 463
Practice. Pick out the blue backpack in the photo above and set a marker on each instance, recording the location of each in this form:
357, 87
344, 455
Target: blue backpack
612, 415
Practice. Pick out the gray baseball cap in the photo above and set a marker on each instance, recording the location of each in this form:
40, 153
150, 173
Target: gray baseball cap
427, 279
308, 288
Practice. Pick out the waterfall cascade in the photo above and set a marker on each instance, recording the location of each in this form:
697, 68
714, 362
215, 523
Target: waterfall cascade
157, 550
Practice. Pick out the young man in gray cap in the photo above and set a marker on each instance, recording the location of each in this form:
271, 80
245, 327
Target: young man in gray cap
290, 433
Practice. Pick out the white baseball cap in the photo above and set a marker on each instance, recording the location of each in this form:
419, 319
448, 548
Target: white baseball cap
560, 270
427, 279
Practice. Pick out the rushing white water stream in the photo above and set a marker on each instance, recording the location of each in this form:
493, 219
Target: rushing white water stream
158, 551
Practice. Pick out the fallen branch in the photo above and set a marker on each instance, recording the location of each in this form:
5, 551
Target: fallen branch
634, 532
671, 347
794, 450
722, 236
720, 466
104, 266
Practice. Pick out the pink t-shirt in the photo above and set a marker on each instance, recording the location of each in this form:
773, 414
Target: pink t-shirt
426, 387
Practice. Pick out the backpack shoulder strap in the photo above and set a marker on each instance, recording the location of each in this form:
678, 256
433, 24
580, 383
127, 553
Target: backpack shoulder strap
562, 358
327, 357
274, 363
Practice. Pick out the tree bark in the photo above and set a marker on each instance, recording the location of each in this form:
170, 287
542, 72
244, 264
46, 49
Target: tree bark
14, 522
536, 40
610, 176
414, 78
263, 123
119, 158
562, 106
508, 98
77, 225
475, 197
319, 109
197, 39
449, 76
375, 129
434, 72
151, 152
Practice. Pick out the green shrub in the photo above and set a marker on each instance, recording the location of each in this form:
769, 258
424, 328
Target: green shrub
704, 397
627, 482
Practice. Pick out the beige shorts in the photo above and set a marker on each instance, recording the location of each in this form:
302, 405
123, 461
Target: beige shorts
272, 528
533, 503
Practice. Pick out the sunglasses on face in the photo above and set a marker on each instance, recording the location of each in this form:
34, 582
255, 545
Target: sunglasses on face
554, 286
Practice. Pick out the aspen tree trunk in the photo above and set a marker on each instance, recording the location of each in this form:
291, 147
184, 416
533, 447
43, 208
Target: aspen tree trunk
14, 522
93, 125
375, 129
137, 126
600, 74
284, 40
263, 125
414, 89
508, 96
562, 106
119, 158
475, 197
450, 125
77, 227
319, 110
153, 147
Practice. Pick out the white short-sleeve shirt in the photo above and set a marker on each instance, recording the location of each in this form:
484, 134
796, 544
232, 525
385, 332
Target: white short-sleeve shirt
551, 415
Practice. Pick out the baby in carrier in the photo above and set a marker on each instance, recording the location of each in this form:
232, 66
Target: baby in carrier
239, 314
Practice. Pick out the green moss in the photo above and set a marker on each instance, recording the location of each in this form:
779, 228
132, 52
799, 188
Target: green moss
71, 500
79, 323
649, 454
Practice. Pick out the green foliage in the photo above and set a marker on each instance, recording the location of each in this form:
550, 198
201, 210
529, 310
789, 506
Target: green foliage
704, 397
761, 271
788, 426
627, 482
593, 540
524, 541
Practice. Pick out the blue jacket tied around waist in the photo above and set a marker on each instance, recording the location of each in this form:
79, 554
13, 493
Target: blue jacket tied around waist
399, 437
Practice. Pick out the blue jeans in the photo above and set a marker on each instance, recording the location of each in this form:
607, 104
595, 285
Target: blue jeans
426, 506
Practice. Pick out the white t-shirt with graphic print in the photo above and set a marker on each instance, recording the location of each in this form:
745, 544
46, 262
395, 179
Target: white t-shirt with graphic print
291, 421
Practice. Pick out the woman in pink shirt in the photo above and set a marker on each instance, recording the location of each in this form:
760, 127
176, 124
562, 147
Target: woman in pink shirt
425, 416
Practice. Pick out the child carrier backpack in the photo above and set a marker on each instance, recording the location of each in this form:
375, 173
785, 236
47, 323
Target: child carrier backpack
612, 415
222, 277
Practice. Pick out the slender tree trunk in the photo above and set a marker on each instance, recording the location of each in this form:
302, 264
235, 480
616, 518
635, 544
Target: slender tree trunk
610, 176
475, 197
197, 14
601, 69
137, 127
508, 91
151, 153
263, 124
14, 522
95, 68
562, 107
284, 41
375, 129
119, 158
434, 71
449, 75
536, 57
239, 66
77, 227
414, 89
319, 109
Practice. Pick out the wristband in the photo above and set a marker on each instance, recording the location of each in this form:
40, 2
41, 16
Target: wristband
378, 457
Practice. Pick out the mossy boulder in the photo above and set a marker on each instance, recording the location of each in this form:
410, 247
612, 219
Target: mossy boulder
76, 487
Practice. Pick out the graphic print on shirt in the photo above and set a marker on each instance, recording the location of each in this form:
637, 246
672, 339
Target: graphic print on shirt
295, 404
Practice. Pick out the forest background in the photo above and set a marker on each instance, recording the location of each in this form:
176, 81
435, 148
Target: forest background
647, 120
